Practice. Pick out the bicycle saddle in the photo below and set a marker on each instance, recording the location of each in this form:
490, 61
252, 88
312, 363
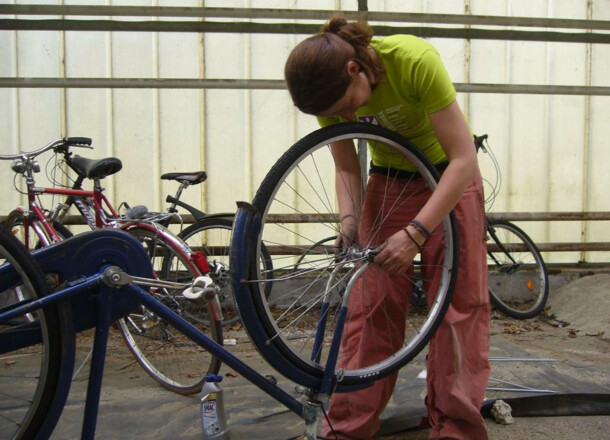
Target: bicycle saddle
193, 178
95, 168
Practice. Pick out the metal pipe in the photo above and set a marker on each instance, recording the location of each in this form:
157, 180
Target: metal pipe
269, 84
548, 216
520, 390
332, 218
294, 28
303, 14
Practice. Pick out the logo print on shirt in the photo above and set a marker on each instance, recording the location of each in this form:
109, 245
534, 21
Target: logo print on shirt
372, 119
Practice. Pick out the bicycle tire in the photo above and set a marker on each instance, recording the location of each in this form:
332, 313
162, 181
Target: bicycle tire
32, 239
308, 164
518, 279
212, 236
169, 357
30, 376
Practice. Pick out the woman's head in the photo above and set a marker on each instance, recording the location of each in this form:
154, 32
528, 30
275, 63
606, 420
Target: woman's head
320, 69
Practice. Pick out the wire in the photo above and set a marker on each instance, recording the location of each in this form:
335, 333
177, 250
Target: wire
332, 430
16, 185
494, 185
58, 167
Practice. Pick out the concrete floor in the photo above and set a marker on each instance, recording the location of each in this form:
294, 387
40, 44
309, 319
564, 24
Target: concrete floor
134, 407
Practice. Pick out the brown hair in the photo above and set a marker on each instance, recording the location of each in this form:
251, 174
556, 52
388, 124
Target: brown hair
316, 69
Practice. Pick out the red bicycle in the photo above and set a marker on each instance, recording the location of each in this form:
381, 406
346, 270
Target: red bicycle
169, 357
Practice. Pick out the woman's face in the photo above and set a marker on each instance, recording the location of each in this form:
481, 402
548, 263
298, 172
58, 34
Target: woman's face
357, 94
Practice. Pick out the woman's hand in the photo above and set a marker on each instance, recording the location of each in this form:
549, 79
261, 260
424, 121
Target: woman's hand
397, 253
348, 235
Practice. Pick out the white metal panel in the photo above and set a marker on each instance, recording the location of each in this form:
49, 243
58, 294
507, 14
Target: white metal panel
547, 146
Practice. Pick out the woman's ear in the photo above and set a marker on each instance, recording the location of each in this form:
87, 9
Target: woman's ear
353, 68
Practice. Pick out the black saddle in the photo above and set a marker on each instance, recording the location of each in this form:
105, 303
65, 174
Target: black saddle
95, 168
193, 178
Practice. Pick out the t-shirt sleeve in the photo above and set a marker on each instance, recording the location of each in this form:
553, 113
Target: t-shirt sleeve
325, 122
431, 82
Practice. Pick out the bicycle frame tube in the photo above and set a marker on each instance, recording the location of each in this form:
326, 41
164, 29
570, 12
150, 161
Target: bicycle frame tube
500, 245
113, 248
36, 219
78, 197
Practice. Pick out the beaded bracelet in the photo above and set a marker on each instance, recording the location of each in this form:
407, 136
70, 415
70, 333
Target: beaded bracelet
411, 237
420, 228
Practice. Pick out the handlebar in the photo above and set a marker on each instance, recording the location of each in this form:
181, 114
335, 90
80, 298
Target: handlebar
59, 146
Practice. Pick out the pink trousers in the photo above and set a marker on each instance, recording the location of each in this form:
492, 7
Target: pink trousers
458, 365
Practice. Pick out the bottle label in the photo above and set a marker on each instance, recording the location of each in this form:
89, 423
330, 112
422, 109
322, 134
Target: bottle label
211, 425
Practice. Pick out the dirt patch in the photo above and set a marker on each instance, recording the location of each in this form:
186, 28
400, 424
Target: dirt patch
583, 305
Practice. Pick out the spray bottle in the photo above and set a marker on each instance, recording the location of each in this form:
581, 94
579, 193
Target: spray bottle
213, 418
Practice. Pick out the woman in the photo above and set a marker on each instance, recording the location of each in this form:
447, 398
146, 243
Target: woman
343, 74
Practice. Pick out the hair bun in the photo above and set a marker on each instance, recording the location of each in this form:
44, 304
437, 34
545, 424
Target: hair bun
334, 25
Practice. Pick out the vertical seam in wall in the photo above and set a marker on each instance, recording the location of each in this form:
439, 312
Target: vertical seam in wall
202, 117
586, 136
509, 116
63, 103
248, 116
157, 160
546, 137
17, 109
111, 134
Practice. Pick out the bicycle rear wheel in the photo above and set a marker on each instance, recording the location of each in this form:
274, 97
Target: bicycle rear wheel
518, 280
212, 236
172, 359
298, 206
33, 347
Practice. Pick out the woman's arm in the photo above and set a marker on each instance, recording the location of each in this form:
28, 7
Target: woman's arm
348, 186
455, 139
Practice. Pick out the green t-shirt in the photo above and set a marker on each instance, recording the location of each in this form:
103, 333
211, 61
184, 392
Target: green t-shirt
415, 84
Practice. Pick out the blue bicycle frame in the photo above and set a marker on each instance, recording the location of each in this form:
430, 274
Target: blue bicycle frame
87, 266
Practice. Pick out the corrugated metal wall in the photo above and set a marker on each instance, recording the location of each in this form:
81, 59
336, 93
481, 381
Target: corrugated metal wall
551, 149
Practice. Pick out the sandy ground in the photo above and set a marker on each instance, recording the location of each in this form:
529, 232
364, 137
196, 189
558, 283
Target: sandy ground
566, 351
574, 330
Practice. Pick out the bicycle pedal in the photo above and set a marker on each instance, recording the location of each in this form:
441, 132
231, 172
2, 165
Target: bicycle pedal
201, 286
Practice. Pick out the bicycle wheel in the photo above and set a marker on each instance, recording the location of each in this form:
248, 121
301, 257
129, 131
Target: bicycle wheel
518, 280
323, 249
34, 236
172, 359
212, 236
298, 206
32, 350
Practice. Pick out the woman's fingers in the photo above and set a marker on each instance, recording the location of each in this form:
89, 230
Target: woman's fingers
396, 254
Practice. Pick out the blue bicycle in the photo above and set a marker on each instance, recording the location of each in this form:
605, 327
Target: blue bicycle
295, 318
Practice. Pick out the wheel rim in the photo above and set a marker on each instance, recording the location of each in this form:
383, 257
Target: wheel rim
172, 359
288, 313
517, 281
